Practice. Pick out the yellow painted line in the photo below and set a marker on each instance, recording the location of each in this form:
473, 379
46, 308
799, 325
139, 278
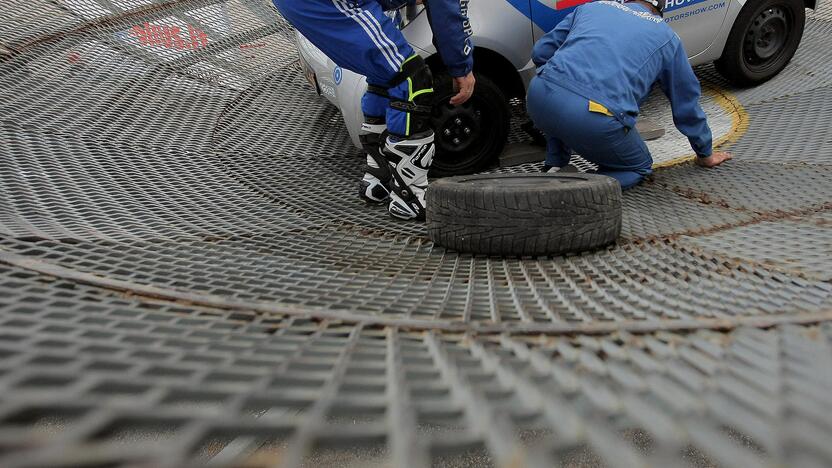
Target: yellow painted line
739, 123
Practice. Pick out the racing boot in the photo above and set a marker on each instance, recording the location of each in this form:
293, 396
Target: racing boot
374, 187
410, 174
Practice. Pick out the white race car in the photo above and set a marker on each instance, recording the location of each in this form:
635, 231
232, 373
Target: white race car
750, 41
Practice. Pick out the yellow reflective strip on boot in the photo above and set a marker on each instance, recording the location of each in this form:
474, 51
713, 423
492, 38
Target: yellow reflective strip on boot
599, 109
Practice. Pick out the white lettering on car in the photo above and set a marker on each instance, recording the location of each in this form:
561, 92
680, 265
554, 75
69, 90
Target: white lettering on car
640, 14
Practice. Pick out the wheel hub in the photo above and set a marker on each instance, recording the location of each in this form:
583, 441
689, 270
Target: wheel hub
767, 36
457, 127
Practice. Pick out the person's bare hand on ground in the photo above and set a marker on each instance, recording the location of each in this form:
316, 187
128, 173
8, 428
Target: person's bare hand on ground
464, 86
714, 160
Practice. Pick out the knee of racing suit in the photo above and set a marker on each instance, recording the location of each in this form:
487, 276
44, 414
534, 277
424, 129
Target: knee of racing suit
411, 99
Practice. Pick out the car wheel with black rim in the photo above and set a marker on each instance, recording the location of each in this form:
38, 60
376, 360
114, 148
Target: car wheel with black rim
469, 137
763, 41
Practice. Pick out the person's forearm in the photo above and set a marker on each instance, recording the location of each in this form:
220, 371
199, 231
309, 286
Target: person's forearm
452, 31
702, 142
691, 121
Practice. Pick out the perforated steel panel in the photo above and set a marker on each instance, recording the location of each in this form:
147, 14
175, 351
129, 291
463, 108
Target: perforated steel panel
186, 278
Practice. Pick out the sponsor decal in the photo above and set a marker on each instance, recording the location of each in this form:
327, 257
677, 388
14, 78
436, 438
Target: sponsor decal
338, 75
641, 14
695, 12
169, 37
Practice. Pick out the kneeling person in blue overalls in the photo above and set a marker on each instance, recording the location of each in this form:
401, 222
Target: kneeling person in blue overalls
358, 36
595, 68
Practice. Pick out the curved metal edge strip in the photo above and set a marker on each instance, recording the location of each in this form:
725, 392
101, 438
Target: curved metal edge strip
218, 302
740, 120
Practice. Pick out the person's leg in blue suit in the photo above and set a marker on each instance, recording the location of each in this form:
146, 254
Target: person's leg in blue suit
557, 153
358, 36
565, 117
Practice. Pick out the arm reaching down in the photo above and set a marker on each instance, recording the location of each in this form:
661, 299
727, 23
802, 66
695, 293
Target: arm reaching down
452, 37
452, 34
682, 88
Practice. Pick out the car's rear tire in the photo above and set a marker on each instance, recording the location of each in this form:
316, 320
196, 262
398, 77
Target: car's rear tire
524, 215
469, 137
763, 41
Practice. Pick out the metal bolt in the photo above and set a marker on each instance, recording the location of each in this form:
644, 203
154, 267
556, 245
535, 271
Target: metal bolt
458, 121
456, 141
467, 131
447, 132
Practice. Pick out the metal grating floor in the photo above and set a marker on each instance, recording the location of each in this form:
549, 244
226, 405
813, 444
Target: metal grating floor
183, 281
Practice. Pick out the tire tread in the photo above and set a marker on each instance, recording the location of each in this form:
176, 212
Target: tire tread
524, 221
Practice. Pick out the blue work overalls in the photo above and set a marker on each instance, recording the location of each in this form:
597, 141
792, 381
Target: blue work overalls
595, 68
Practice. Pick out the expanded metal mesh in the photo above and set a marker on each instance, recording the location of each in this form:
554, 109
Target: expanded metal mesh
186, 278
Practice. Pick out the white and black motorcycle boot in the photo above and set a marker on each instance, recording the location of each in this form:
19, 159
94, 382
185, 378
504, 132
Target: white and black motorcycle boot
410, 174
374, 187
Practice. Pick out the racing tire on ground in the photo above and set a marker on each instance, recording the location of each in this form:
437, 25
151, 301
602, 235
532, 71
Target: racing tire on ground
470, 137
524, 214
762, 41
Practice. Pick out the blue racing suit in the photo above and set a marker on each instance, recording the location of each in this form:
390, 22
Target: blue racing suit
595, 69
358, 36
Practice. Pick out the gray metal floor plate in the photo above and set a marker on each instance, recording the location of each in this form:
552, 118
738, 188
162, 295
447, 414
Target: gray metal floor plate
801, 126
187, 280
781, 244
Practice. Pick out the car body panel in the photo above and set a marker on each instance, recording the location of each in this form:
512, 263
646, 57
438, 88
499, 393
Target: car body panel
510, 28
717, 45
696, 21
500, 27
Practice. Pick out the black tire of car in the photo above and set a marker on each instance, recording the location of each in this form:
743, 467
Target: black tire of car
524, 214
486, 114
734, 63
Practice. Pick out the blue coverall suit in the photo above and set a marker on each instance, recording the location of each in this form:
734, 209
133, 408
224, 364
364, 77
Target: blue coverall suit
358, 36
595, 68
